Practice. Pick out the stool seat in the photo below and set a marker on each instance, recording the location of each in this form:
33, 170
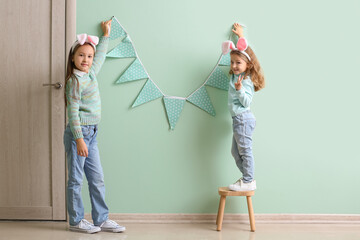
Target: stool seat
224, 192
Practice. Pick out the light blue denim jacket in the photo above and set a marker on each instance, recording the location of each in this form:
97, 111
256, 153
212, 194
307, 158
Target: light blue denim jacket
239, 101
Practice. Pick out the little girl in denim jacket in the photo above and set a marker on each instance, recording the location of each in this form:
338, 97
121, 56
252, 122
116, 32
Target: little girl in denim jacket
246, 78
86, 57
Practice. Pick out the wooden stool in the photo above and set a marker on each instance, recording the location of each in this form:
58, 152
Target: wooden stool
224, 192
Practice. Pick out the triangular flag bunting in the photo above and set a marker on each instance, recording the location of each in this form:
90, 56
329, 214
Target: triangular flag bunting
125, 49
173, 107
116, 30
127, 39
134, 72
201, 99
225, 60
148, 93
218, 79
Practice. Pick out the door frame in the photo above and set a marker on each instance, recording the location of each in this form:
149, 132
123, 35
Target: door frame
63, 11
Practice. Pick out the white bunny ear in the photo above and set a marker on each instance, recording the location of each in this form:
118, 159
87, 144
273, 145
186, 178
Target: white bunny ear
226, 46
81, 38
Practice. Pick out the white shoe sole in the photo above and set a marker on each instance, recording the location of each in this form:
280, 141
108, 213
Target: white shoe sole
240, 189
114, 230
84, 230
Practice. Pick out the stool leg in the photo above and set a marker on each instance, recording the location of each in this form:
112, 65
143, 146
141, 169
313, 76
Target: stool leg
220, 216
217, 216
251, 214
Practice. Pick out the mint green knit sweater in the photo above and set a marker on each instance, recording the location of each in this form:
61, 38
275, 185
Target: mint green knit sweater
83, 96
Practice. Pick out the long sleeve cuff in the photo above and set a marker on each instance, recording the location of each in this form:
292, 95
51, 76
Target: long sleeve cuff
77, 133
103, 39
241, 92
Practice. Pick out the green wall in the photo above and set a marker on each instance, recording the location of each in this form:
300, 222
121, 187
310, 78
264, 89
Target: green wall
307, 136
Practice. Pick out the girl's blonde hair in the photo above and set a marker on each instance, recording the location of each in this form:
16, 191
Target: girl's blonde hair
70, 68
253, 70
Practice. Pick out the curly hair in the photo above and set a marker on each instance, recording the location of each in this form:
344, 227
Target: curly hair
253, 70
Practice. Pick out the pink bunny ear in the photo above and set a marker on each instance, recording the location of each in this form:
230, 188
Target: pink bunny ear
81, 38
242, 44
93, 39
226, 46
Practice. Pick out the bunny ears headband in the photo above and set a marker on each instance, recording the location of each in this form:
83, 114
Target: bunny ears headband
84, 38
241, 46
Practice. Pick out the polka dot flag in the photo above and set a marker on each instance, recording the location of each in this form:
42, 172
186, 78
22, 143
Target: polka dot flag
173, 105
201, 99
148, 93
116, 30
173, 108
218, 79
125, 49
134, 72
225, 60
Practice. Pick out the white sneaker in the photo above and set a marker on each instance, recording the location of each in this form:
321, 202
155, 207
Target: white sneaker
239, 185
111, 226
85, 227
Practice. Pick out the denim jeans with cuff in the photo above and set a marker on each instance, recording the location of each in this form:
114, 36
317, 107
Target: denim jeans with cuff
243, 127
91, 165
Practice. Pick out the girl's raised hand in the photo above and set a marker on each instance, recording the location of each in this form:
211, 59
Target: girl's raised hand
238, 30
238, 84
106, 27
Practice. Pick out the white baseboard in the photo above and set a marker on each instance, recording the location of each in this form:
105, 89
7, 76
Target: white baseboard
232, 218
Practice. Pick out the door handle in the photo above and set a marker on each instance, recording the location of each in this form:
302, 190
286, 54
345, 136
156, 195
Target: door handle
57, 85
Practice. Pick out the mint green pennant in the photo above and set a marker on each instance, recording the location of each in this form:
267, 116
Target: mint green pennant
125, 49
173, 108
201, 99
116, 30
218, 79
148, 93
225, 60
134, 72
127, 39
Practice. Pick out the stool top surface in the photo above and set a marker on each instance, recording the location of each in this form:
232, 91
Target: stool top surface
225, 191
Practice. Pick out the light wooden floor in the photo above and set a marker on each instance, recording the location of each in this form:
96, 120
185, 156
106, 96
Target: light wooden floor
58, 231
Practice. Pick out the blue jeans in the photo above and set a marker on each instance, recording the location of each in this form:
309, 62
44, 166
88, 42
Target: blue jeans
91, 165
243, 127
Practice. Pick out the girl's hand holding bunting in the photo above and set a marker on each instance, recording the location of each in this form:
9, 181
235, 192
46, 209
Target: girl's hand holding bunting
238, 30
106, 27
238, 84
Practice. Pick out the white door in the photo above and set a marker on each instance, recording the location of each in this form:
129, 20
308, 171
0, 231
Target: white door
32, 116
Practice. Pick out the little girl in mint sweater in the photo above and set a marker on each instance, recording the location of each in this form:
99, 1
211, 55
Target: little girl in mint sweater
246, 78
83, 105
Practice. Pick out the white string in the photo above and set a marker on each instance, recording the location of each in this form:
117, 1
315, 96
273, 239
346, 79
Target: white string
137, 56
217, 64
174, 97
207, 77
